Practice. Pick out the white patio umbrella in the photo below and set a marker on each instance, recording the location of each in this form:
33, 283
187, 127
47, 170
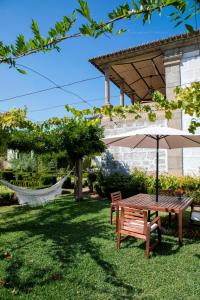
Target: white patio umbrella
154, 137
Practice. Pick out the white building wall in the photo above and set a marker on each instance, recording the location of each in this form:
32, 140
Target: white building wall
190, 72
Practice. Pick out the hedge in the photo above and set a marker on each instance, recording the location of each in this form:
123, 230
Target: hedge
7, 196
139, 182
46, 180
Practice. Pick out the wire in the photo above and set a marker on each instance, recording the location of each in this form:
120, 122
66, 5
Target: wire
56, 85
51, 88
63, 105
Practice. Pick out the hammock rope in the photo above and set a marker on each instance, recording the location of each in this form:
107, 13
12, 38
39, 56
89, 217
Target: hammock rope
36, 197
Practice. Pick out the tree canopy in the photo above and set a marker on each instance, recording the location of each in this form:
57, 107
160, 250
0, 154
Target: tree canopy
77, 136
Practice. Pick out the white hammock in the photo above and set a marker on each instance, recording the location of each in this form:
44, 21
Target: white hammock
36, 197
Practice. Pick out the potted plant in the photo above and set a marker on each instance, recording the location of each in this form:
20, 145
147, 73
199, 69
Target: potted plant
179, 192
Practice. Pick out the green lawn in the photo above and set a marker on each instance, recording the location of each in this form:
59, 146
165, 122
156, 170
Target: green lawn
66, 250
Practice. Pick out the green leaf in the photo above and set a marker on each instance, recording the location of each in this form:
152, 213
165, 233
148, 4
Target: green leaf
121, 11
84, 10
87, 30
178, 23
121, 31
21, 71
152, 116
52, 33
20, 44
35, 29
98, 34
168, 115
189, 28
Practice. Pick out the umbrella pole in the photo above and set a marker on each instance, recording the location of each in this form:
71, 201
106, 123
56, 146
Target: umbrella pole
157, 166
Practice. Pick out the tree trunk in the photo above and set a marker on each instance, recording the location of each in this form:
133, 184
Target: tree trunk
78, 186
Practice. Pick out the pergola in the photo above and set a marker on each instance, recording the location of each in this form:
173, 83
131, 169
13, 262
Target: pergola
140, 70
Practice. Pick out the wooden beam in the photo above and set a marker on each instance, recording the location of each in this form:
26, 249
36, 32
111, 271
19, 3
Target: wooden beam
127, 89
141, 77
154, 64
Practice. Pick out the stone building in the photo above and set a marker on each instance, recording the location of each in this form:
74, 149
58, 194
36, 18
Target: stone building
160, 65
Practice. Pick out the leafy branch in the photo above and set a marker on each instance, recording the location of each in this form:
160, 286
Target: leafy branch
186, 99
62, 30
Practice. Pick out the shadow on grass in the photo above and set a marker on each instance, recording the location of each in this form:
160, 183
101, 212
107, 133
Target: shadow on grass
67, 230
191, 232
72, 229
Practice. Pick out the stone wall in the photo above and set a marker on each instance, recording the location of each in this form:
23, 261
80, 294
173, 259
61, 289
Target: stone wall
172, 78
190, 71
144, 159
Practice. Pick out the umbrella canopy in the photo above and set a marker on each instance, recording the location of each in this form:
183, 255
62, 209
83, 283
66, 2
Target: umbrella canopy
169, 138
155, 137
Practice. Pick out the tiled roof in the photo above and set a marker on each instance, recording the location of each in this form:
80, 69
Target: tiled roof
149, 45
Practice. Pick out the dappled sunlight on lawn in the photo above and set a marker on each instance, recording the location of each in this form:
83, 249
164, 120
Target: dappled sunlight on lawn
66, 250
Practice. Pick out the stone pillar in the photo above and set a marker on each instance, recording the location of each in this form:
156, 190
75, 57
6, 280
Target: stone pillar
107, 88
121, 96
173, 79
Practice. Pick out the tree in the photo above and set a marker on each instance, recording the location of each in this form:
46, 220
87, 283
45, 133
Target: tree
9, 121
66, 29
76, 136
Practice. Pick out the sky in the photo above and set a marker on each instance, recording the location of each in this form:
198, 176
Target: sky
71, 64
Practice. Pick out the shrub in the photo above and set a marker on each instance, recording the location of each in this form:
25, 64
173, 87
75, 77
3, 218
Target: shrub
139, 182
6, 196
67, 183
127, 184
91, 179
48, 180
7, 175
195, 195
189, 183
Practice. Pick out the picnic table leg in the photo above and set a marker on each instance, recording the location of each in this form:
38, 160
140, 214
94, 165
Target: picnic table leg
117, 218
180, 227
170, 219
149, 216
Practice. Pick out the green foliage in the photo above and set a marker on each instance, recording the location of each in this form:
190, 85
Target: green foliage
73, 137
10, 121
66, 250
30, 162
182, 14
25, 163
92, 176
186, 99
127, 184
6, 196
48, 180
139, 182
62, 30
68, 183
7, 175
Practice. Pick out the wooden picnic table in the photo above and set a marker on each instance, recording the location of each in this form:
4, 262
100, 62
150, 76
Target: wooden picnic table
169, 204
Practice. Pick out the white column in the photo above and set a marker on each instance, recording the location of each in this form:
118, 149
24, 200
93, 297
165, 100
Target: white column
121, 96
132, 99
107, 88
172, 61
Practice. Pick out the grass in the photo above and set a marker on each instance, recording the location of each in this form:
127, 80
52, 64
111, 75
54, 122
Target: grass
66, 250
4, 189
